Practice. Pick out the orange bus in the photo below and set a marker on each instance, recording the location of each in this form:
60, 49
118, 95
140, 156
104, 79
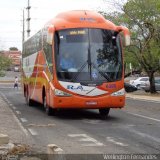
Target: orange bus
75, 61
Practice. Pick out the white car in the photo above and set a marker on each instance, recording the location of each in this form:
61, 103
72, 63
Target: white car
16, 69
146, 86
139, 81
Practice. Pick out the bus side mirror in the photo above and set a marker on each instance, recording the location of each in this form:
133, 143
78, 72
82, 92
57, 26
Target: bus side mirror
50, 33
126, 33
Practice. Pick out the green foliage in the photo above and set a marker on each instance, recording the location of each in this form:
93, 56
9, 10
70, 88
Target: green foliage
142, 17
120, 19
13, 49
4, 64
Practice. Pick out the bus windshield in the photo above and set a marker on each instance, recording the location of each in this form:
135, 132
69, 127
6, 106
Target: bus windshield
88, 55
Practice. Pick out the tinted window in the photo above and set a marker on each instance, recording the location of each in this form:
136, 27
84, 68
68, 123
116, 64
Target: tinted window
47, 51
88, 55
33, 44
144, 79
157, 81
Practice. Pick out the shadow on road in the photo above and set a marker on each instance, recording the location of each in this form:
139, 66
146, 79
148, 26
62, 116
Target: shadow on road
75, 114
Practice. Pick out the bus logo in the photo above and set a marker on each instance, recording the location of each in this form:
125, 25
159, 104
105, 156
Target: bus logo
94, 75
71, 87
111, 86
87, 19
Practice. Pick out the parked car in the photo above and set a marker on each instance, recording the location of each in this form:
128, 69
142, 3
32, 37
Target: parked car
146, 86
16, 69
129, 88
140, 82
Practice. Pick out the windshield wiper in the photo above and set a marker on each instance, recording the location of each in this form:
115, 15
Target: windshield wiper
84, 65
79, 71
103, 74
89, 62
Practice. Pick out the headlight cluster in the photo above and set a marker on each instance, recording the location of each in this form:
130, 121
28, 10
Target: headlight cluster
58, 92
121, 92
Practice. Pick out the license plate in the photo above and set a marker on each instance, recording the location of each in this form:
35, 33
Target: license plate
91, 103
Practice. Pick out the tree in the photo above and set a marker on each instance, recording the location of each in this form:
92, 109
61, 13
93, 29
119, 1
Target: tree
13, 49
5, 63
142, 17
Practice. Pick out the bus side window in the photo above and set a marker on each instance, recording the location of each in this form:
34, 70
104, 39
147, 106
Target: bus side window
48, 52
56, 44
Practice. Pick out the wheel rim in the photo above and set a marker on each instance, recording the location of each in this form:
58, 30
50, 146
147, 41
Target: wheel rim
44, 102
27, 98
47, 109
45, 105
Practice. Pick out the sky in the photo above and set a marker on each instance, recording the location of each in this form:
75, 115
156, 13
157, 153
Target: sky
11, 16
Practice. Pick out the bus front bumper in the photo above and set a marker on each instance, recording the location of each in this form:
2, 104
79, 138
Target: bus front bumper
107, 101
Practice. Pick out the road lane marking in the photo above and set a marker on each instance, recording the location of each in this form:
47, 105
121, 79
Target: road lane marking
33, 132
18, 112
19, 92
17, 120
14, 108
40, 125
142, 116
19, 123
144, 135
91, 142
6, 99
23, 120
111, 139
6, 87
92, 121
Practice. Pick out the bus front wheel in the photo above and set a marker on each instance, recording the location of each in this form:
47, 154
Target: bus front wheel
104, 112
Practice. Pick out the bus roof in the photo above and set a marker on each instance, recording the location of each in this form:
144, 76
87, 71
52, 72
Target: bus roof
81, 18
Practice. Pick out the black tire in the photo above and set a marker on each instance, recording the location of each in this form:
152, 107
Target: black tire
29, 102
48, 110
104, 112
138, 86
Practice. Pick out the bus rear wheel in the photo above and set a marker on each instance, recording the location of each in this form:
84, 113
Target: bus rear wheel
48, 110
104, 112
29, 102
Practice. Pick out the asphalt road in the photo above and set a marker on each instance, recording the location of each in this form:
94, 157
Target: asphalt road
10, 76
134, 129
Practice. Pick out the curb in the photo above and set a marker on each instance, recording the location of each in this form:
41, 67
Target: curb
8, 81
54, 152
4, 139
143, 97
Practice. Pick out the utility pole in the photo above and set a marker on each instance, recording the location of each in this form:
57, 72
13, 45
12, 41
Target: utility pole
28, 19
23, 31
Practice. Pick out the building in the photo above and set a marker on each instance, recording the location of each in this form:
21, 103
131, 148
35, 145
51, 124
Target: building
15, 56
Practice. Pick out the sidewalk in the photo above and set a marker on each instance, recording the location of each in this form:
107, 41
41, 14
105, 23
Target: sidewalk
144, 96
21, 145
10, 125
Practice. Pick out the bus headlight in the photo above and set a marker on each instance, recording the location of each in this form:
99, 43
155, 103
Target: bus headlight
121, 92
58, 92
